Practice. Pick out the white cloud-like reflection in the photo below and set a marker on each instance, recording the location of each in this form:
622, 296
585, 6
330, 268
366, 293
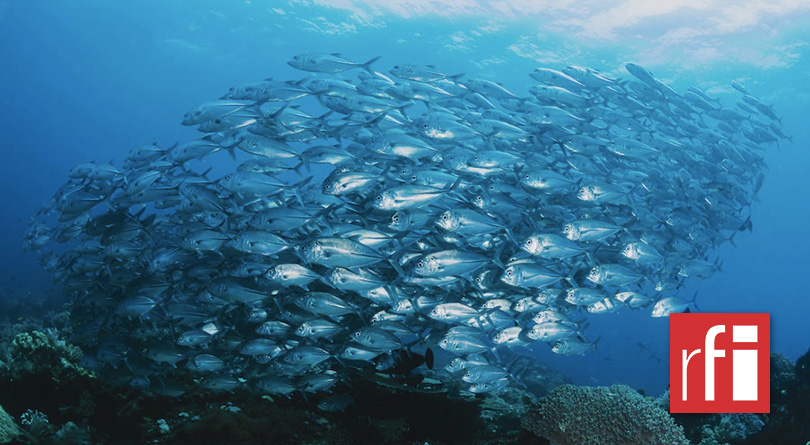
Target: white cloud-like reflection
702, 31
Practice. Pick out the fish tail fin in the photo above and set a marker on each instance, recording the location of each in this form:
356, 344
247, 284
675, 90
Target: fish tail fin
323, 121
341, 362
693, 302
580, 331
494, 351
496, 258
596, 342
511, 235
571, 278
402, 108
731, 239
304, 163
748, 225
274, 115
367, 66
429, 358
329, 209
325, 281
455, 78
393, 260
296, 188
378, 119
322, 118
488, 136
303, 394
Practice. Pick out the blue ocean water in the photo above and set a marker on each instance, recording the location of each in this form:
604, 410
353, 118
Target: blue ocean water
89, 80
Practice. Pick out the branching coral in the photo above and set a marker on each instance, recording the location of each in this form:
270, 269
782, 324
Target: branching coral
36, 423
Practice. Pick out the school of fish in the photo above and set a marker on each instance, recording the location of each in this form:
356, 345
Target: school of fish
358, 223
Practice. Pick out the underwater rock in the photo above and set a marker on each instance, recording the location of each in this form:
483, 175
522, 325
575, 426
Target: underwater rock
502, 412
70, 433
8, 428
574, 415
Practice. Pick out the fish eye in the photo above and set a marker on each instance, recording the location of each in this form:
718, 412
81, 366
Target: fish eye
379, 198
444, 216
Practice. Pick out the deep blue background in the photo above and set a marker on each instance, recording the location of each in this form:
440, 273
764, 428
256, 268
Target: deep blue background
88, 80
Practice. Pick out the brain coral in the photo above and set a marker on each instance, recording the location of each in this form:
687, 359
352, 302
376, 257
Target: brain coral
615, 415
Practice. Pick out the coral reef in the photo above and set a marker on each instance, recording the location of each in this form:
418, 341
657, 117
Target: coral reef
789, 420
572, 415
73, 407
725, 429
45, 351
787, 423
36, 424
56, 401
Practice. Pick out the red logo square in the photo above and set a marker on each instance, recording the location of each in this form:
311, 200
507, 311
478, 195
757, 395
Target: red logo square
719, 363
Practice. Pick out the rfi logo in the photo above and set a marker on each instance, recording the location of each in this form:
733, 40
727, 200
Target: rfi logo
719, 363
